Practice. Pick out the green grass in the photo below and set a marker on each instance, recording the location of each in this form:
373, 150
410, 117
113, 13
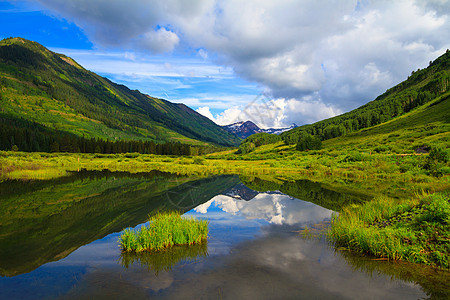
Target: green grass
370, 174
381, 153
415, 230
165, 230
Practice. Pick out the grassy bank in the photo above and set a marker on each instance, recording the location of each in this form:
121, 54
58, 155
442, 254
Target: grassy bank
165, 230
396, 175
415, 230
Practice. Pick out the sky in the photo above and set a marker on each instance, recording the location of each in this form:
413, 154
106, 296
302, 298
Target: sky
272, 62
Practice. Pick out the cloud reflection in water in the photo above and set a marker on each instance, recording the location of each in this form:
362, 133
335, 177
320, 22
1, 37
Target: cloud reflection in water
275, 208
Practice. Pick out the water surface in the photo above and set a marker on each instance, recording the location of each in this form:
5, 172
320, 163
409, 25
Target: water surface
59, 240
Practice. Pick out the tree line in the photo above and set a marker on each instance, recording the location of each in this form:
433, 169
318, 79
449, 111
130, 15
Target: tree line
22, 135
420, 88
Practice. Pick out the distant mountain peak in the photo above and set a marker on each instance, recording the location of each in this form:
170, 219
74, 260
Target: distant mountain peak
247, 128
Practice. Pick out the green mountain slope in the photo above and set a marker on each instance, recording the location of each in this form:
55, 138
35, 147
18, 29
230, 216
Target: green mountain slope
425, 126
420, 88
50, 89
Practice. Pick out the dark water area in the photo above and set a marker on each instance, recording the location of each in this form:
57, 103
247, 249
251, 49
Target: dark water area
58, 240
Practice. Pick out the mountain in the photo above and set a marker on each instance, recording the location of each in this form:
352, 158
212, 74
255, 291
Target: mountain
246, 129
243, 129
53, 93
240, 191
422, 87
279, 130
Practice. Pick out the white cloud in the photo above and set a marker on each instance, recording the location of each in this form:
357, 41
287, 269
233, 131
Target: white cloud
136, 65
130, 56
228, 116
158, 41
339, 54
203, 54
205, 111
274, 113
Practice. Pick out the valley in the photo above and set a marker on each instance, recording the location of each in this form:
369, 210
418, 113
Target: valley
82, 158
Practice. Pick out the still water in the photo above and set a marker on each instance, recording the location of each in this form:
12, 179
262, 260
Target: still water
59, 240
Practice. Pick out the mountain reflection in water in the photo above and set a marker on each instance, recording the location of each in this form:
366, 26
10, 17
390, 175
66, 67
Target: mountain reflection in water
253, 251
252, 254
275, 208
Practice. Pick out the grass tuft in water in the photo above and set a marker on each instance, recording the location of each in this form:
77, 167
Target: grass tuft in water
165, 230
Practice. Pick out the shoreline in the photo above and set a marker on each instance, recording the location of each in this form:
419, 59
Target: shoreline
415, 230
377, 176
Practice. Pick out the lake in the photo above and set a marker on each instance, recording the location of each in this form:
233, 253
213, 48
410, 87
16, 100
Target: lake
58, 240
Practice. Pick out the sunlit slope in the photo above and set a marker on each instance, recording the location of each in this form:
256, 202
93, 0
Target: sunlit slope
424, 127
428, 125
422, 87
53, 90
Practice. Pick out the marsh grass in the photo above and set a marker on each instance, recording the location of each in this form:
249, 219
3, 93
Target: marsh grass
393, 175
315, 231
414, 230
165, 230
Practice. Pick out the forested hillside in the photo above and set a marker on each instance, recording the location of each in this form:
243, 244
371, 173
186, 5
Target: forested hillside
44, 94
420, 88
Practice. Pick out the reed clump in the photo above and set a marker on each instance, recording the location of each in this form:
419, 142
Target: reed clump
165, 230
416, 230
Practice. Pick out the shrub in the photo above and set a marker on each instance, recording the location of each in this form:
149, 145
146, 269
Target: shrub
354, 156
437, 162
381, 148
199, 160
256, 140
246, 148
131, 155
438, 208
308, 142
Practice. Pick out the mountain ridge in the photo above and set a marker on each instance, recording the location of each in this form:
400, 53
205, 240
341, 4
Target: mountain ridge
53, 90
247, 128
421, 87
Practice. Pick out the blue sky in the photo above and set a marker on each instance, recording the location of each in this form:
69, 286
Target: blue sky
179, 77
273, 62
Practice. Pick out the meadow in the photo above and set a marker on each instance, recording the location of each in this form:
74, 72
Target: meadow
374, 173
399, 160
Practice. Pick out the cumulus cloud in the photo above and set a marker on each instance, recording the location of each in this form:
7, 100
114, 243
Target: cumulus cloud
135, 24
159, 41
275, 113
228, 116
206, 112
325, 55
